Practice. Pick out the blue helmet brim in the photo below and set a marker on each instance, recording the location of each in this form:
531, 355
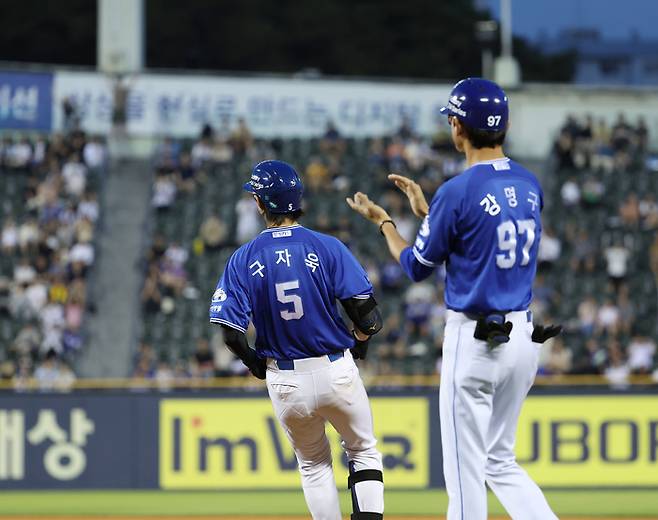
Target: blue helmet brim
248, 187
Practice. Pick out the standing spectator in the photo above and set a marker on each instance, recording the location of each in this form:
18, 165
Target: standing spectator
203, 360
248, 219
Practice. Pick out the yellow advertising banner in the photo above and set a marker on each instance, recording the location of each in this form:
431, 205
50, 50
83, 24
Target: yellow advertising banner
238, 444
593, 440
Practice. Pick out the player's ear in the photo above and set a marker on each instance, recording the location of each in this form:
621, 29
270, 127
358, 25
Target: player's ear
259, 204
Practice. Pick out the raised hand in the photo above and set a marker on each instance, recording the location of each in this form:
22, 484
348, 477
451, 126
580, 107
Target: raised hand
367, 208
413, 192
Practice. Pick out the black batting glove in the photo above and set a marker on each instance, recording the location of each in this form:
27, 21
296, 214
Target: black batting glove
360, 348
541, 334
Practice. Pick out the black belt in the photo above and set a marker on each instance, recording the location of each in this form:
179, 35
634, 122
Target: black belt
477, 316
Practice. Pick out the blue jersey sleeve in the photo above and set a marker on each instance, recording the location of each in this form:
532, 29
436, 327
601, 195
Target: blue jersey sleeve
435, 236
230, 303
349, 277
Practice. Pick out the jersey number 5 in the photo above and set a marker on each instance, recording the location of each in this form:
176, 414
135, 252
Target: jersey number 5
295, 299
507, 233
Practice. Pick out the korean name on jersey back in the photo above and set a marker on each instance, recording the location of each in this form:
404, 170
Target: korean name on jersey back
287, 282
485, 223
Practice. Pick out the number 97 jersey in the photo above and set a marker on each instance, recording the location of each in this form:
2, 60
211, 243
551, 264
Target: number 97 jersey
485, 224
287, 282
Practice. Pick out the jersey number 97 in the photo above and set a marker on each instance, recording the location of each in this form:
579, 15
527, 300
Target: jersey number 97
508, 231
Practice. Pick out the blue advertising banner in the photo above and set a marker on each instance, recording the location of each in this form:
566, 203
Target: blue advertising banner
26, 100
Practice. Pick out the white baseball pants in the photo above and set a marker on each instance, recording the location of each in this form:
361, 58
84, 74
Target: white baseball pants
318, 390
482, 391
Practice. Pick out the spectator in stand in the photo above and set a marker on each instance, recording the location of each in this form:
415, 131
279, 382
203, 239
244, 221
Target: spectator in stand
648, 209
559, 358
94, 153
641, 351
617, 257
617, 372
626, 310
332, 143
641, 135
241, 138
48, 373
164, 191
629, 212
570, 193
317, 175
203, 361
187, 172
563, 150
584, 253
213, 233
587, 316
607, 319
167, 154
602, 152
550, 249
249, 222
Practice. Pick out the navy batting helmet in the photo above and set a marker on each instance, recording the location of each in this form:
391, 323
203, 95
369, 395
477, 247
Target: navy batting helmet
278, 185
479, 103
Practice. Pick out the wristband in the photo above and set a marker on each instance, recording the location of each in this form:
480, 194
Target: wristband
384, 222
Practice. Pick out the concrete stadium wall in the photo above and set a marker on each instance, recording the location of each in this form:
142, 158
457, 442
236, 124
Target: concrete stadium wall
226, 440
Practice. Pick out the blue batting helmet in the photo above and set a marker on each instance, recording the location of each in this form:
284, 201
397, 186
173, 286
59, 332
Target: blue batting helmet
278, 185
479, 103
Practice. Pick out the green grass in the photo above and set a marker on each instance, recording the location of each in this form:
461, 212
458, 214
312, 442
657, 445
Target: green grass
615, 504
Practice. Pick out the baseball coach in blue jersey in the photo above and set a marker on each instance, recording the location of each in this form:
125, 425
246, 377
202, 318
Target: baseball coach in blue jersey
485, 225
287, 282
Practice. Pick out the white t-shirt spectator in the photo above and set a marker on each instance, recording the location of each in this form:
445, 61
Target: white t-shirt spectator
94, 154
550, 248
617, 375
640, 353
24, 273
28, 233
37, 295
82, 252
52, 317
88, 208
20, 154
608, 316
617, 259
176, 254
201, 152
249, 220
164, 192
9, 236
47, 375
75, 178
570, 193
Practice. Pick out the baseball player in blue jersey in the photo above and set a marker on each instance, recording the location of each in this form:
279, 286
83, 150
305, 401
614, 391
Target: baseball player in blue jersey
287, 282
485, 225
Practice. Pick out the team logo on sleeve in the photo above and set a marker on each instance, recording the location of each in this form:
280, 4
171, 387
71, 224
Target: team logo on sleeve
424, 230
219, 295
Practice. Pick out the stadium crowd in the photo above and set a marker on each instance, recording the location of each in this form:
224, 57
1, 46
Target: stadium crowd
601, 335
50, 212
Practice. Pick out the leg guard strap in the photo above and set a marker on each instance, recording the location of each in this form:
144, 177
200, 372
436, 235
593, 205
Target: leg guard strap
367, 516
364, 474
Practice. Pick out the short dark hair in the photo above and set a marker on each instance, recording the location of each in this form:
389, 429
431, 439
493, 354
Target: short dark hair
278, 218
484, 138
